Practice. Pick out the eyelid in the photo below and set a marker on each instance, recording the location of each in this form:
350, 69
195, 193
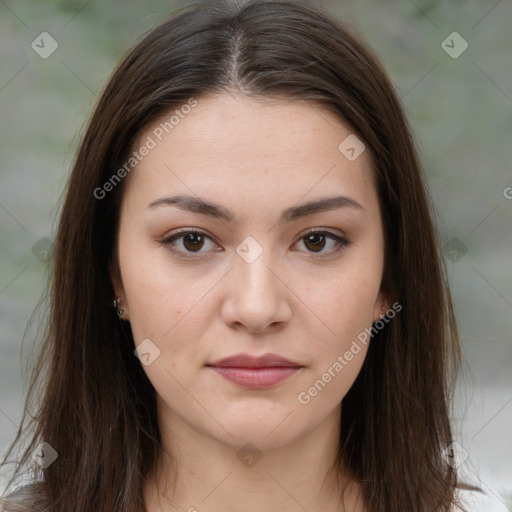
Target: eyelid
323, 231
341, 241
166, 242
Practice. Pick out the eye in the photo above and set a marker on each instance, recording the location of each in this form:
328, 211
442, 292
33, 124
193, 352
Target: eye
189, 242
316, 240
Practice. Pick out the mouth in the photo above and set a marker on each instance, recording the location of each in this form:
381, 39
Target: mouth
255, 372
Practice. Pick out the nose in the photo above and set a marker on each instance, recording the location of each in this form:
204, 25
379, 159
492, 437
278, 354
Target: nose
257, 297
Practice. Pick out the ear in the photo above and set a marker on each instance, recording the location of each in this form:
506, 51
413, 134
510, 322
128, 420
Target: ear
119, 295
381, 306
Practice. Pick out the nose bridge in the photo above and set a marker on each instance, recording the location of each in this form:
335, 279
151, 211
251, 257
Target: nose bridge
258, 297
253, 269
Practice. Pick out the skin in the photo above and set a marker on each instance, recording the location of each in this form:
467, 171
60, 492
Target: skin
256, 158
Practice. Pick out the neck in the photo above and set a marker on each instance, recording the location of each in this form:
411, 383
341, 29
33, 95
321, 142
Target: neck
197, 472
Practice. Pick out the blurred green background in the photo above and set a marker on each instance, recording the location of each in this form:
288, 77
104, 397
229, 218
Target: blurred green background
460, 110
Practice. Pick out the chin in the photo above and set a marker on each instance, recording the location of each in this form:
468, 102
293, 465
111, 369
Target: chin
266, 432
256, 439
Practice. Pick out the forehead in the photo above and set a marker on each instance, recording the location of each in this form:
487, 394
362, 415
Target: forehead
231, 144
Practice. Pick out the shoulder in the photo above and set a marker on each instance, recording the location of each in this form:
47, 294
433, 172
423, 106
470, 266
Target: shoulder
27, 498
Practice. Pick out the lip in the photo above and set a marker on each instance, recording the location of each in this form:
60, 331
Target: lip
255, 372
248, 361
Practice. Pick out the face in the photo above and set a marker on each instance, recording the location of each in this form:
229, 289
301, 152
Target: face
250, 262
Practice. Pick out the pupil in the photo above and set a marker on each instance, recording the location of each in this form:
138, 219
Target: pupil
194, 238
316, 245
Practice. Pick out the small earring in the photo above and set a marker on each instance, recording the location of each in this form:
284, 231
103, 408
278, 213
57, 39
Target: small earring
120, 312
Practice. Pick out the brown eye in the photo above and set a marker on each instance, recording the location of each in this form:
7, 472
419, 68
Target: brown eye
187, 243
193, 241
316, 241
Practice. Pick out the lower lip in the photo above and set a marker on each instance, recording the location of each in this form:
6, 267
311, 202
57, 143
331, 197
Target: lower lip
256, 378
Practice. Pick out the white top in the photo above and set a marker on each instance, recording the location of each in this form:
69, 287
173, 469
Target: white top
478, 502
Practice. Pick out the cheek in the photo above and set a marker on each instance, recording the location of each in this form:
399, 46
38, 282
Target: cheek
343, 306
158, 295
339, 355
344, 311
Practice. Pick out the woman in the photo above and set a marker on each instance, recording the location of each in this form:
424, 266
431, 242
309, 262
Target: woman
248, 198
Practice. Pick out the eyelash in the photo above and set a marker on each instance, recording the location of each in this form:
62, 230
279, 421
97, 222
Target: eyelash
342, 243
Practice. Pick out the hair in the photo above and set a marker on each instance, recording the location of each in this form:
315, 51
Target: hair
98, 408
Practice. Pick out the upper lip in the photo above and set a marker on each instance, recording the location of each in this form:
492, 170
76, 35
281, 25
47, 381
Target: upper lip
248, 361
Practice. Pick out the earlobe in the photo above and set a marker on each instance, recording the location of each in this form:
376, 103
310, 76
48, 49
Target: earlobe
119, 301
381, 306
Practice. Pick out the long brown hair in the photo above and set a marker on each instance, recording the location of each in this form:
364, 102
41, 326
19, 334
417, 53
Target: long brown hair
98, 408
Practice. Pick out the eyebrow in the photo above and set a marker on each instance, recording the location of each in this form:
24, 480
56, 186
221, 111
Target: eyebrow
198, 205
